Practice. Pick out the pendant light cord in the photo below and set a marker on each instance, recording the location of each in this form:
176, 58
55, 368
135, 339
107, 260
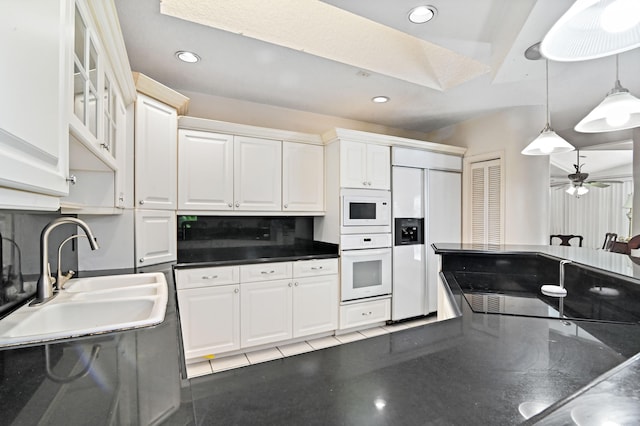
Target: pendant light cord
546, 64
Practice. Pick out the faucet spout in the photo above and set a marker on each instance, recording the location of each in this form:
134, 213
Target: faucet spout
562, 263
45, 281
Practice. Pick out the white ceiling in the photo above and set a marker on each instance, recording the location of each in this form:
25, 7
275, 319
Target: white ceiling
492, 33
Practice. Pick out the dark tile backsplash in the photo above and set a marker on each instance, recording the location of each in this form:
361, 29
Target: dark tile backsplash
239, 231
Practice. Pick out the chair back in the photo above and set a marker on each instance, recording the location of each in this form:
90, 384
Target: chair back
609, 239
564, 239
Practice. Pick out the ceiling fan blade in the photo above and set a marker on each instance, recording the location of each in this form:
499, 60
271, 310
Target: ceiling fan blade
597, 184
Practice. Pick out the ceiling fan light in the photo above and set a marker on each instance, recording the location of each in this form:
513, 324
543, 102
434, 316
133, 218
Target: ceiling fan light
618, 111
571, 190
581, 190
548, 142
592, 29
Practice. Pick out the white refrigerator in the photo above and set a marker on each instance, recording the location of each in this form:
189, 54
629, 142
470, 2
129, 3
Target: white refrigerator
426, 201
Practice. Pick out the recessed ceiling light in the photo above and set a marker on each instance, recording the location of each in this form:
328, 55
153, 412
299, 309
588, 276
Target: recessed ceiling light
422, 14
189, 57
380, 99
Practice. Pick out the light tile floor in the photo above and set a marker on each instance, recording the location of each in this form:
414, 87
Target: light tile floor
241, 360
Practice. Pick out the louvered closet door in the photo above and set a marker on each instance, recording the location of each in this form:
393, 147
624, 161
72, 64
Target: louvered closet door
486, 202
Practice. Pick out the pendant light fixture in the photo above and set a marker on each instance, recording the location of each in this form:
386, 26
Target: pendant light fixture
548, 142
618, 111
593, 29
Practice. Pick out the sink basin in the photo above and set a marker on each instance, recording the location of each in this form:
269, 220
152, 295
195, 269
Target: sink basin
112, 282
90, 306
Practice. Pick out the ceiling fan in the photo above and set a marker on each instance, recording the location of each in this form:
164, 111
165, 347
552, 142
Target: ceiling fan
578, 182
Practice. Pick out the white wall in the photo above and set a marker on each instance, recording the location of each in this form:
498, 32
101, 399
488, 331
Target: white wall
255, 114
526, 177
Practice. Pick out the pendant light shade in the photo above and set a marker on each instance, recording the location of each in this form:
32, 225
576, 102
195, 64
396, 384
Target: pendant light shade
593, 29
618, 111
547, 142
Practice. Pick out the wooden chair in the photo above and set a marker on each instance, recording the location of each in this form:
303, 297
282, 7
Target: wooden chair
609, 239
564, 239
633, 243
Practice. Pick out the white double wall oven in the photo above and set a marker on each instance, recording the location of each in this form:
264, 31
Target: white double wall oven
365, 243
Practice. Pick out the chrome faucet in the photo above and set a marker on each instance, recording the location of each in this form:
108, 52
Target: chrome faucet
562, 263
45, 281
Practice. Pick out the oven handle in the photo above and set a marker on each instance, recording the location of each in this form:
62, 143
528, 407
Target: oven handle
367, 252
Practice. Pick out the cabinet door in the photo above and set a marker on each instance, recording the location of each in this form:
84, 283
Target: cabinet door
257, 174
155, 154
35, 89
353, 165
210, 320
265, 312
302, 177
378, 167
155, 237
123, 198
205, 171
315, 305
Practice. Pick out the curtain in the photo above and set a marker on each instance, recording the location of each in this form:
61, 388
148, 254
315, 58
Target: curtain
591, 215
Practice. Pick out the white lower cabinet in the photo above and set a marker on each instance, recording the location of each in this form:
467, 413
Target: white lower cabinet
223, 309
265, 312
209, 319
364, 313
315, 305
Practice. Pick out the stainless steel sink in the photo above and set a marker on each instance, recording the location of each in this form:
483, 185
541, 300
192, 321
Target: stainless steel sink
90, 306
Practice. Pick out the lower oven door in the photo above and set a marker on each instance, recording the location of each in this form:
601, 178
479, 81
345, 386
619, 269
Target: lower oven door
365, 273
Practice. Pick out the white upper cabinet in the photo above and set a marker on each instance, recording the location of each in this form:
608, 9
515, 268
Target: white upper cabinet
302, 177
155, 154
365, 165
378, 167
35, 86
226, 172
257, 183
155, 236
205, 170
228, 167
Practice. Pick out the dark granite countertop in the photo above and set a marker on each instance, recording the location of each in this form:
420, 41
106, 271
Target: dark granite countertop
197, 257
473, 369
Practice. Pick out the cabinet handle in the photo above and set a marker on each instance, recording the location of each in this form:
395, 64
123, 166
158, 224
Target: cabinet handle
230, 205
366, 314
72, 179
296, 284
369, 183
237, 204
315, 268
268, 272
364, 183
141, 260
106, 147
290, 284
209, 277
286, 206
236, 290
141, 202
